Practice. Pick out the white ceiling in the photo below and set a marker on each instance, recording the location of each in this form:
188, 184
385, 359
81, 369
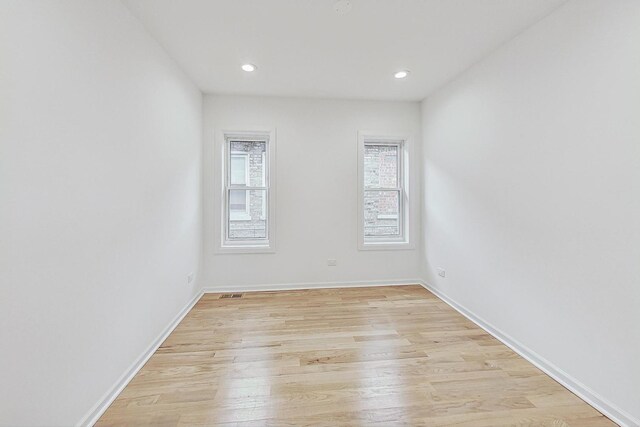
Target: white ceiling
304, 48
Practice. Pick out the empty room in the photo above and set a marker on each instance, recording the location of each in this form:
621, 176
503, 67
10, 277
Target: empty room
319, 213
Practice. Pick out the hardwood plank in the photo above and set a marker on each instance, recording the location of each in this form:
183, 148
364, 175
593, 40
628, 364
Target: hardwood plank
383, 356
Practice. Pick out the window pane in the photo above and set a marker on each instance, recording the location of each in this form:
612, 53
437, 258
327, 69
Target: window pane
381, 166
253, 155
238, 203
381, 214
247, 215
239, 169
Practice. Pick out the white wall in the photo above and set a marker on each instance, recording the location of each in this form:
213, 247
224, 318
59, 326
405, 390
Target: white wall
532, 195
100, 212
316, 190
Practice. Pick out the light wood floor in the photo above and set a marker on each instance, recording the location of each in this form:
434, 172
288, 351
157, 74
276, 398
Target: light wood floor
361, 356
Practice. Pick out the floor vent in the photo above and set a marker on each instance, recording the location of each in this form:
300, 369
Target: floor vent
230, 296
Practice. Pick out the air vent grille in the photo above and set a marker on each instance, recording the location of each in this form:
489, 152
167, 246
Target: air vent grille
224, 296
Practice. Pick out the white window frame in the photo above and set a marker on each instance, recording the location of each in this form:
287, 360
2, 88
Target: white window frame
402, 241
223, 139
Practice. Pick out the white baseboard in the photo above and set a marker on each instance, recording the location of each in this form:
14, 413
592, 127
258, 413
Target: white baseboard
313, 285
99, 408
585, 393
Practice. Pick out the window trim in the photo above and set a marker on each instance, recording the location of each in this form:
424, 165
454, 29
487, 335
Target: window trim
223, 140
403, 241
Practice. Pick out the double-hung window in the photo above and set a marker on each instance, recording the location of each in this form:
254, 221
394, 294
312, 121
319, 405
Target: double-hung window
247, 191
384, 209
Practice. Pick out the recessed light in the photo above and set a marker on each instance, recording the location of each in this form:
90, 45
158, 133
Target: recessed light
249, 68
342, 7
401, 74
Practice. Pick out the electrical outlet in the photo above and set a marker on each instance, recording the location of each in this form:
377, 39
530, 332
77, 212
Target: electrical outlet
441, 272
332, 262
189, 278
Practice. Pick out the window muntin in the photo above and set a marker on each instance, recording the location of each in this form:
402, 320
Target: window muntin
246, 192
383, 195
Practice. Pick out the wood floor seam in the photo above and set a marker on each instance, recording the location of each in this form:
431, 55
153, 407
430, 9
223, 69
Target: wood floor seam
384, 355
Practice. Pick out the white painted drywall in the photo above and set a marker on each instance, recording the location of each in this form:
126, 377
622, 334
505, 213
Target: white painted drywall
304, 48
316, 178
100, 210
532, 194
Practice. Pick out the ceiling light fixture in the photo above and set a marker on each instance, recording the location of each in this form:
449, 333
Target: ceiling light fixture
401, 74
342, 7
249, 68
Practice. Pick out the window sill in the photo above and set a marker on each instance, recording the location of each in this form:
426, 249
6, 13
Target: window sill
245, 249
385, 246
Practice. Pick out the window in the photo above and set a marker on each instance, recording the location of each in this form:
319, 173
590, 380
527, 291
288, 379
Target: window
383, 211
247, 198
